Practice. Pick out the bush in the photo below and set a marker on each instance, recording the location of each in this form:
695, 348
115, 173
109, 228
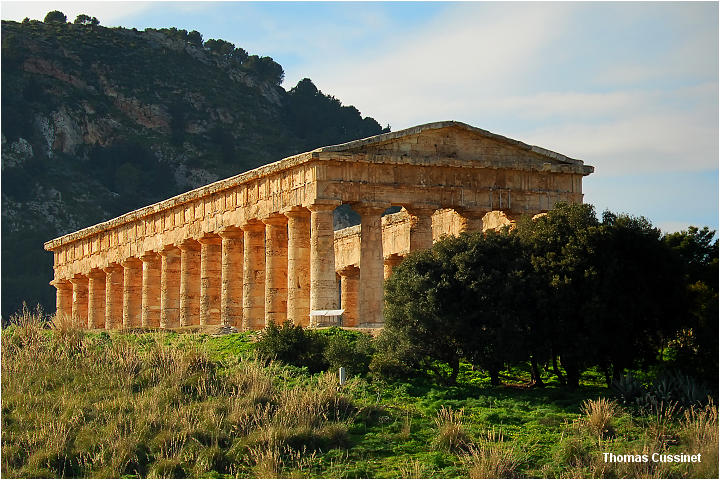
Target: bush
354, 352
293, 345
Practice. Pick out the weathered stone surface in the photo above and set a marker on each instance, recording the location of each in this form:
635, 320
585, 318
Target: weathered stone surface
170, 287
132, 292
254, 276
96, 299
298, 294
150, 315
349, 286
276, 269
210, 281
113, 296
189, 283
448, 176
231, 294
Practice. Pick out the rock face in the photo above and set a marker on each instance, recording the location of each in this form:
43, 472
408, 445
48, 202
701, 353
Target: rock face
98, 122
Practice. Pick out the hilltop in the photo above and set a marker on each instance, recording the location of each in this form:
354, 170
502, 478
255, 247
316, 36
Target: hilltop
99, 121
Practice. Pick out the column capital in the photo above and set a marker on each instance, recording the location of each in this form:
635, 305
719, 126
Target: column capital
61, 283
169, 251
79, 279
369, 208
231, 232
96, 273
131, 262
320, 205
275, 219
421, 209
295, 212
472, 212
349, 271
113, 267
254, 225
189, 245
210, 239
149, 256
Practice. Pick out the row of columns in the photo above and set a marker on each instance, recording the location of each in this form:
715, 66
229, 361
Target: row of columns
264, 271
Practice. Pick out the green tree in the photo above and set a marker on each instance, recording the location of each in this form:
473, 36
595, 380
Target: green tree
558, 316
695, 349
220, 47
82, 19
55, 16
195, 38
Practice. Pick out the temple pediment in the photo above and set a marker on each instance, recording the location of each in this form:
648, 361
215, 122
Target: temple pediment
453, 143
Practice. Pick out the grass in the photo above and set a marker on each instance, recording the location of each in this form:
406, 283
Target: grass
153, 404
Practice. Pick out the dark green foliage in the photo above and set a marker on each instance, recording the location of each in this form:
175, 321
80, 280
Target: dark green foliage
194, 38
669, 388
55, 16
610, 294
351, 350
293, 345
317, 118
83, 19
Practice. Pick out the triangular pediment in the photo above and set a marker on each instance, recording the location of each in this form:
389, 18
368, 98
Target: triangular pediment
455, 140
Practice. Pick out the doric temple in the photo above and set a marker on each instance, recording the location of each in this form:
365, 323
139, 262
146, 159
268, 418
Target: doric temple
260, 246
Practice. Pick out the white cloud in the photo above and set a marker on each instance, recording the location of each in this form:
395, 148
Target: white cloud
489, 66
469, 53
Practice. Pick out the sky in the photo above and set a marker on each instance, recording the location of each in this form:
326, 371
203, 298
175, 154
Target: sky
630, 88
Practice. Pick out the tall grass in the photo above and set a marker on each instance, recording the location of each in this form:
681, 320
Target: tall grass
79, 405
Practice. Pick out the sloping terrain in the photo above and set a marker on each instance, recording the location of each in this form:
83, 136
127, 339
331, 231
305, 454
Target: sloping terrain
99, 121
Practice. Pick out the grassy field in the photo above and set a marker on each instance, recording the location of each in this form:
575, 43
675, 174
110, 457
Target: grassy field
155, 404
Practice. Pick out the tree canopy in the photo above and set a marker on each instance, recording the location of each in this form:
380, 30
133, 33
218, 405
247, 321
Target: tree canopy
55, 16
566, 291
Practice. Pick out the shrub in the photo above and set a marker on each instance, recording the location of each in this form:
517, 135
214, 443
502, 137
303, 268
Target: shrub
294, 345
354, 352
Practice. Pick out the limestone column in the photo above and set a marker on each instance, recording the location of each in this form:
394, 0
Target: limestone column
96, 299
323, 286
63, 300
79, 301
254, 276
420, 227
210, 279
276, 269
298, 287
390, 263
471, 219
170, 287
114, 286
231, 290
132, 292
150, 312
349, 284
189, 283
370, 296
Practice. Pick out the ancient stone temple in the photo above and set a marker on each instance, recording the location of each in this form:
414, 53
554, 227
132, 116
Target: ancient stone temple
260, 246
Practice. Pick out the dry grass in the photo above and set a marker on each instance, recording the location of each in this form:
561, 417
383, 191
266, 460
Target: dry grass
78, 405
699, 429
451, 434
492, 458
599, 416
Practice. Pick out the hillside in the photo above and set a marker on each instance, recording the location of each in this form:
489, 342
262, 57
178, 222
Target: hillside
99, 121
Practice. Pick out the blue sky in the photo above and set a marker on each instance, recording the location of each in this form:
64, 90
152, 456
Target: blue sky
631, 88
